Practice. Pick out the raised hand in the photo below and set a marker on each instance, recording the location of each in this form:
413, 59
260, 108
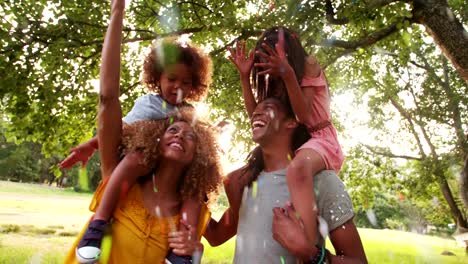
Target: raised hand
274, 61
243, 63
118, 5
80, 153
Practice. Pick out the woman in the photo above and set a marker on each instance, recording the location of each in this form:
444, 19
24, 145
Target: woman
183, 151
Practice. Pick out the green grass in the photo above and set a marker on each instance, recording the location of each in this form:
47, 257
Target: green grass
36, 219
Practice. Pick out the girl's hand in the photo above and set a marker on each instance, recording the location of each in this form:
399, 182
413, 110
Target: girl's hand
243, 64
275, 61
184, 242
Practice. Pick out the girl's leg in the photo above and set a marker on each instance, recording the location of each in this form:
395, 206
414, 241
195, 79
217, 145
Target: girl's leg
299, 176
122, 178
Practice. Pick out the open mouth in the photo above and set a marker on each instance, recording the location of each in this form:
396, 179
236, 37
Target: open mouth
176, 145
258, 124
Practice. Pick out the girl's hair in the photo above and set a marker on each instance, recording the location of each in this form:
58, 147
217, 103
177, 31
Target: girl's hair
166, 52
296, 58
202, 177
255, 163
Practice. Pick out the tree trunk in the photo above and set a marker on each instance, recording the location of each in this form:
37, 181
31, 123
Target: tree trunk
446, 30
456, 213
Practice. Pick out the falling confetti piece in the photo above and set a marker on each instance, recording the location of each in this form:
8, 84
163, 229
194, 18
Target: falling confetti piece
289, 157
184, 216
254, 189
155, 189
323, 227
106, 247
171, 120
282, 260
180, 95
164, 106
158, 211
371, 216
196, 256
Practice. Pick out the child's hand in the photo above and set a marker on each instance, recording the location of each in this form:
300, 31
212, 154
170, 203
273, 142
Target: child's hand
80, 153
184, 242
243, 64
275, 61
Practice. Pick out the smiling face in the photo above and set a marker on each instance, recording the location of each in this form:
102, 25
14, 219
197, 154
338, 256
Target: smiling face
176, 83
178, 143
268, 120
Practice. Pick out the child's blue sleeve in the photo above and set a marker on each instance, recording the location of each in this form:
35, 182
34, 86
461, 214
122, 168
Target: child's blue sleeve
148, 107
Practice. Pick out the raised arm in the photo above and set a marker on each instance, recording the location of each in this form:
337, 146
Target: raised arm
244, 66
277, 64
110, 112
220, 231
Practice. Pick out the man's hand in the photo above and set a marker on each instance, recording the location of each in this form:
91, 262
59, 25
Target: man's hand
80, 153
288, 230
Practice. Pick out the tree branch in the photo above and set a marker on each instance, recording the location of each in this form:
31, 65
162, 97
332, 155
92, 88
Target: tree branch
330, 15
245, 34
388, 153
406, 116
379, 3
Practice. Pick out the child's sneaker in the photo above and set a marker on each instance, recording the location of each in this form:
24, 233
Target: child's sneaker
172, 258
89, 248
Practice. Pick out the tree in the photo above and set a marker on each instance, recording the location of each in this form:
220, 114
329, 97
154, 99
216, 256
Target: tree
50, 50
429, 100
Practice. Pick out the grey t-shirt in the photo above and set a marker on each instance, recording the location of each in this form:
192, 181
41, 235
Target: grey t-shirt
254, 243
148, 107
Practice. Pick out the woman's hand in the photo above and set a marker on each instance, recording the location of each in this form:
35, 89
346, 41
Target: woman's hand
243, 64
289, 231
275, 62
118, 5
184, 242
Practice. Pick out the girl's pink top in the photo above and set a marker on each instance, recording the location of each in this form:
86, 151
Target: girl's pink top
325, 140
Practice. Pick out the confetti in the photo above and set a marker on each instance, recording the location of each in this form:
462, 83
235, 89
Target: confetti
282, 260
171, 120
184, 216
106, 246
158, 211
254, 189
164, 106
289, 157
371, 216
180, 95
323, 227
196, 256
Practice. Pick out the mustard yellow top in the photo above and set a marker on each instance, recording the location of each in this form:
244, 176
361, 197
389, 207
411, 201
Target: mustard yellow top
137, 236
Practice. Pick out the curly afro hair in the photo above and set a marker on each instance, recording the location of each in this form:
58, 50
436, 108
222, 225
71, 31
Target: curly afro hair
202, 178
167, 52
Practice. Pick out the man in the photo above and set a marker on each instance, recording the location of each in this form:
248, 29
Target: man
256, 191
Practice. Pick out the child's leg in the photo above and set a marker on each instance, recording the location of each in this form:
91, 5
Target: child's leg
122, 178
299, 176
